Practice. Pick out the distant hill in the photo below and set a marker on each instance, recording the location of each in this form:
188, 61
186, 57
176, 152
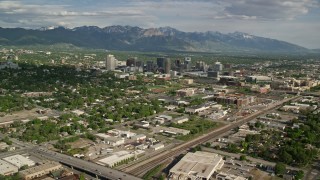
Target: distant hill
152, 39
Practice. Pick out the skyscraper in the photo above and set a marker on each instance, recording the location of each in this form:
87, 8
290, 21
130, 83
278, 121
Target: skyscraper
218, 66
160, 62
187, 63
111, 62
150, 66
132, 61
164, 65
167, 65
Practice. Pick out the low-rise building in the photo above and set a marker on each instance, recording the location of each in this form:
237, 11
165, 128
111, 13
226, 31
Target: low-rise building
187, 81
19, 161
197, 109
139, 137
173, 131
121, 75
3, 145
7, 169
78, 112
114, 141
40, 170
226, 176
36, 94
142, 124
198, 165
166, 117
259, 79
120, 133
186, 92
116, 158
180, 120
157, 146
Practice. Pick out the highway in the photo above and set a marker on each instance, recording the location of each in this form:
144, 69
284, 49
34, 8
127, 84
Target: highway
91, 168
140, 168
100, 172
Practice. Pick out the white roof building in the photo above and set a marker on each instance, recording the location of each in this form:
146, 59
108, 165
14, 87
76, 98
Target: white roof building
78, 112
198, 165
116, 158
157, 147
180, 120
7, 169
19, 161
114, 141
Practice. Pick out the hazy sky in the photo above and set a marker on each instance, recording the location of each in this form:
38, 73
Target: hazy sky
296, 21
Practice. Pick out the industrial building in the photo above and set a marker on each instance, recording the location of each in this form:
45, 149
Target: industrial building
40, 170
180, 120
7, 169
171, 130
113, 141
19, 161
198, 165
157, 147
116, 158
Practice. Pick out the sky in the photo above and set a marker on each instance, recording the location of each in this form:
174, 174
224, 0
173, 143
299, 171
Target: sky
295, 21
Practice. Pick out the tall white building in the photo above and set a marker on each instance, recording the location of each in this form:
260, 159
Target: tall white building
218, 66
111, 62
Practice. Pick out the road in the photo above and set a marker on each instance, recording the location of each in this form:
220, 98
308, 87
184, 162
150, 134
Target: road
140, 168
89, 167
314, 172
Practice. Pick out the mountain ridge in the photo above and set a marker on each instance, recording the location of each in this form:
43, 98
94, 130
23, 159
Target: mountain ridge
151, 39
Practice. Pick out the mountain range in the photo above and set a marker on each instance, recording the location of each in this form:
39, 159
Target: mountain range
151, 39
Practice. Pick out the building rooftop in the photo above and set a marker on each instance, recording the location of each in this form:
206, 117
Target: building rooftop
198, 164
42, 167
7, 168
19, 161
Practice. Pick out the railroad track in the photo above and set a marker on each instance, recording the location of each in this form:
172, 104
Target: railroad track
140, 169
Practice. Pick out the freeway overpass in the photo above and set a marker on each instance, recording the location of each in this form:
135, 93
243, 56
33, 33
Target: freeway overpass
100, 172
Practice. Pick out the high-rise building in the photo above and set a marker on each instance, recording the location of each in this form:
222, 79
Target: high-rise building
187, 63
164, 65
160, 62
132, 61
167, 65
150, 66
218, 66
111, 62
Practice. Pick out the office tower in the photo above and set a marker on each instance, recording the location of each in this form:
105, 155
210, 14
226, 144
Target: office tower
111, 62
218, 66
167, 65
150, 66
160, 62
131, 61
187, 63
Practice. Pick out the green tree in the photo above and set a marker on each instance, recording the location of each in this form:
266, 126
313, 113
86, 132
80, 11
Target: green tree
299, 175
243, 158
280, 168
